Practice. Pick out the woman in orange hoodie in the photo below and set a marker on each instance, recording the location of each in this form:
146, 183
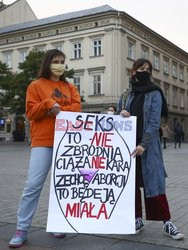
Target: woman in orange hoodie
45, 98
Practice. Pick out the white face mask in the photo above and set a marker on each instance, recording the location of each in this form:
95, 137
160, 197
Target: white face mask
57, 69
110, 113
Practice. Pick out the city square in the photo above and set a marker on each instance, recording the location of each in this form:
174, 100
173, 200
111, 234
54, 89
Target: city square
13, 170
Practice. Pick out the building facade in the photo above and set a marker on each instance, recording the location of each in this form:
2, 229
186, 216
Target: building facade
101, 45
17, 12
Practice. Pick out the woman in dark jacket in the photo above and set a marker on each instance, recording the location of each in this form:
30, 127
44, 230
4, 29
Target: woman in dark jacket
146, 101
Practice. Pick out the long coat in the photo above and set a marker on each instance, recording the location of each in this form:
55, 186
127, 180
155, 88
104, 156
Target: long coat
153, 170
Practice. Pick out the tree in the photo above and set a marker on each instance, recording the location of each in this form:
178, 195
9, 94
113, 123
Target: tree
6, 85
29, 71
14, 85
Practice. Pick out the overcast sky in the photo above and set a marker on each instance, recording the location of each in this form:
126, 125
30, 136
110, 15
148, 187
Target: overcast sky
168, 18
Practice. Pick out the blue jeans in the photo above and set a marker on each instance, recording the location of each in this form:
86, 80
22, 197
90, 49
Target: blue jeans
40, 163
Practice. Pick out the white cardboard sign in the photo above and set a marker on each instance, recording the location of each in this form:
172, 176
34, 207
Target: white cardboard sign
93, 174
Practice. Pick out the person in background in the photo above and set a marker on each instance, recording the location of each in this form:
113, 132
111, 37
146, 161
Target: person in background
146, 101
166, 133
45, 98
112, 110
177, 134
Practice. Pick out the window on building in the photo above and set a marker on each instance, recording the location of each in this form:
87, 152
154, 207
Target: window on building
144, 52
174, 69
181, 73
182, 99
22, 55
131, 50
175, 121
166, 93
77, 82
175, 96
156, 61
96, 84
166, 66
77, 50
97, 47
8, 58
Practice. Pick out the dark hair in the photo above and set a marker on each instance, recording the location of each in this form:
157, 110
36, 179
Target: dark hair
114, 108
44, 71
138, 63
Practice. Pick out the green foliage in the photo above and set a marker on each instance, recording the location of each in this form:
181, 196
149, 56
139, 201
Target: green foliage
6, 83
69, 73
13, 86
30, 67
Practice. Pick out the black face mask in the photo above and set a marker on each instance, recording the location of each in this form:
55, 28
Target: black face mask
143, 76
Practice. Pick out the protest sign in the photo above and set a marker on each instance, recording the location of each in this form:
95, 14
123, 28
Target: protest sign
93, 174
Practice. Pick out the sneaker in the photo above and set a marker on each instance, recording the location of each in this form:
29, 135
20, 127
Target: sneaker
58, 235
18, 239
139, 225
172, 231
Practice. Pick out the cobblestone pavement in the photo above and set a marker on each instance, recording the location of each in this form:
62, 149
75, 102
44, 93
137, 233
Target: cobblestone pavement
14, 158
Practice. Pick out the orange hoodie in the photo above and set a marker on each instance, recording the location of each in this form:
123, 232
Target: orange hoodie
41, 95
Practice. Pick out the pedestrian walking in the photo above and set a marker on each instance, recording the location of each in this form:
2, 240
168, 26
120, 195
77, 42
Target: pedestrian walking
166, 133
177, 134
146, 101
45, 97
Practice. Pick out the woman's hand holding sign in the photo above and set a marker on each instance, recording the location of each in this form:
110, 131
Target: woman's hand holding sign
139, 150
55, 109
124, 113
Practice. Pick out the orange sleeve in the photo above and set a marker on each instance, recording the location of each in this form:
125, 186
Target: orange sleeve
75, 105
35, 108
